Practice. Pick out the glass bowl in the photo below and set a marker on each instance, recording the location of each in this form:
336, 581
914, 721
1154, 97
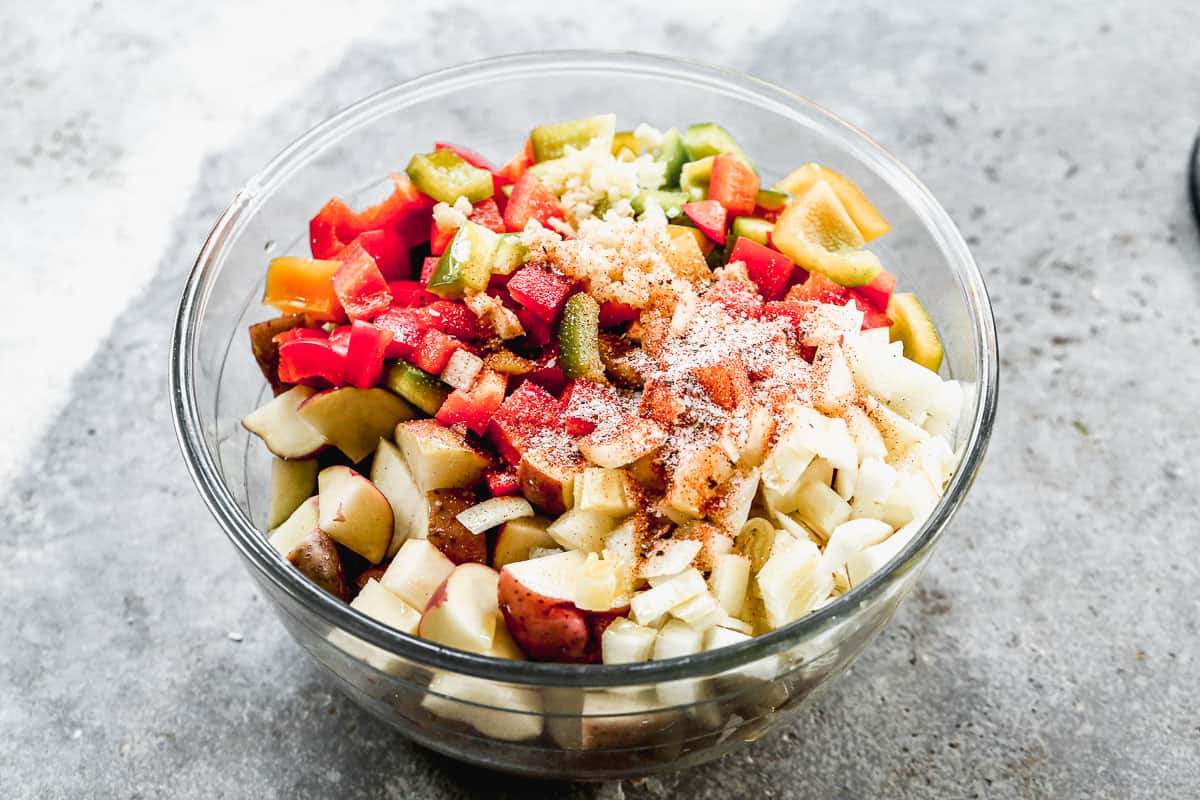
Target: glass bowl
554, 720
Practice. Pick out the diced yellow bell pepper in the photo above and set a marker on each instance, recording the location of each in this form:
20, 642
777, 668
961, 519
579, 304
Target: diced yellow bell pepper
816, 232
912, 327
866, 217
677, 232
626, 146
303, 286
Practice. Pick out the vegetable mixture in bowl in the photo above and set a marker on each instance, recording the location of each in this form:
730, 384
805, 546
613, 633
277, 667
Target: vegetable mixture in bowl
613, 401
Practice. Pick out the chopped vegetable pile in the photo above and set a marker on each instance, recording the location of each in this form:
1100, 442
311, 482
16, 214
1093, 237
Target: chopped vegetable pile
612, 401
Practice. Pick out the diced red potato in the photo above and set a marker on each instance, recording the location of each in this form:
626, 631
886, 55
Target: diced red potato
416, 572
354, 420
266, 348
354, 513
547, 476
518, 537
624, 443
463, 611
537, 598
283, 430
318, 560
447, 534
439, 457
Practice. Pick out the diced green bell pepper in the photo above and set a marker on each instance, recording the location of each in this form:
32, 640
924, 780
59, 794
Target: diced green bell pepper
672, 154
551, 141
467, 262
510, 254
709, 139
755, 229
694, 178
416, 386
445, 176
579, 338
670, 202
771, 200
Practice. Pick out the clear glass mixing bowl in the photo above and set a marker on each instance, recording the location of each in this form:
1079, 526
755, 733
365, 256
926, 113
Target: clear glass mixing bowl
554, 720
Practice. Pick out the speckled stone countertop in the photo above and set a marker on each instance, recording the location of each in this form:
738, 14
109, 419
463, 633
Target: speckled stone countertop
1052, 647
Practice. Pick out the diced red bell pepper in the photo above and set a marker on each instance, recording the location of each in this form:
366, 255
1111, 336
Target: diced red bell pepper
476, 406
540, 290
524, 414
613, 314
364, 357
502, 483
738, 298
388, 249
406, 212
794, 313
820, 289
410, 294
303, 357
452, 318
538, 332
769, 269
877, 293
439, 238
513, 170
359, 285
428, 266
487, 214
331, 229
586, 403
709, 216
733, 184
433, 351
406, 326
469, 156
339, 339
299, 333
531, 199
874, 318
547, 370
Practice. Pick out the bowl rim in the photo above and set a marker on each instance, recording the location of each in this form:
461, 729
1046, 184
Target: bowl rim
269, 565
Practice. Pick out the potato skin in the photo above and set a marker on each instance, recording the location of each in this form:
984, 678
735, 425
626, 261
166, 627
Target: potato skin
549, 629
447, 534
317, 559
266, 351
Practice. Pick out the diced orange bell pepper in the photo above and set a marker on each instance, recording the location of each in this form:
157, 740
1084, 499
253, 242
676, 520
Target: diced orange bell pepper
303, 286
733, 185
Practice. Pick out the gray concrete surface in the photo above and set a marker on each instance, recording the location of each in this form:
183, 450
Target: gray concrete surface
1052, 647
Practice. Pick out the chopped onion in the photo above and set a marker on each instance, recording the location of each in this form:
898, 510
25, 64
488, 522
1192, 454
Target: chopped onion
492, 513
